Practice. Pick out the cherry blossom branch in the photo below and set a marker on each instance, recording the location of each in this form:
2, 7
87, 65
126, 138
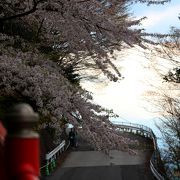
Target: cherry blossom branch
32, 10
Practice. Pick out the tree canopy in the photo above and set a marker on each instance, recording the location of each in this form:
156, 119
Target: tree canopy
81, 27
42, 44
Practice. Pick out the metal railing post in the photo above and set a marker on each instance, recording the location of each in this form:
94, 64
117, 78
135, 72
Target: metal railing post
22, 144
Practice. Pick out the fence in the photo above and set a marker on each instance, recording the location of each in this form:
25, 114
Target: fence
128, 127
146, 132
51, 158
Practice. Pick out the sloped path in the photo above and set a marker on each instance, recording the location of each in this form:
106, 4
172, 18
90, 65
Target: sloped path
85, 164
95, 158
130, 172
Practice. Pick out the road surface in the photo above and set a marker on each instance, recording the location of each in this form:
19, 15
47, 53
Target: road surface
93, 165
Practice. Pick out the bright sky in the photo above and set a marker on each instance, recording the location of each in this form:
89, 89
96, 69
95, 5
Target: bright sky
159, 17
126, 97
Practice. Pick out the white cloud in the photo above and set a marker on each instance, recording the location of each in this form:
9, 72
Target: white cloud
157, 18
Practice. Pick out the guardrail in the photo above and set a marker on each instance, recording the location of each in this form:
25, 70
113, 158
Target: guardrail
52, 156
155, 172
147, 132
134, 126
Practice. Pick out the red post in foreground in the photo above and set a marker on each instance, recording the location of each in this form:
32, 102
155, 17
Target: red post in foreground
22, 144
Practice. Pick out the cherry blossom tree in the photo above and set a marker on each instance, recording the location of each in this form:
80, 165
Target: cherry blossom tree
81, 27
53, 97
41, 39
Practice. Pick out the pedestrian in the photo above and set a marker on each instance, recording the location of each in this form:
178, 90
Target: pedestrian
72, 138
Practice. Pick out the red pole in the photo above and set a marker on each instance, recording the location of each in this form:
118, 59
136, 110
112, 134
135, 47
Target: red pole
2, 138
22, 144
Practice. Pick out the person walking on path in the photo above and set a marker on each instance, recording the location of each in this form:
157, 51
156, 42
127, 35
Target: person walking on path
72, 138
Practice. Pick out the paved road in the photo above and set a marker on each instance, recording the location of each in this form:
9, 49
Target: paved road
86, 164
95, 158
93, 165
130, 172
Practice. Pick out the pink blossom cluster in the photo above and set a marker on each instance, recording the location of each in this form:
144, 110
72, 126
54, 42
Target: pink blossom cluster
41, 81
86, 27
78, 31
